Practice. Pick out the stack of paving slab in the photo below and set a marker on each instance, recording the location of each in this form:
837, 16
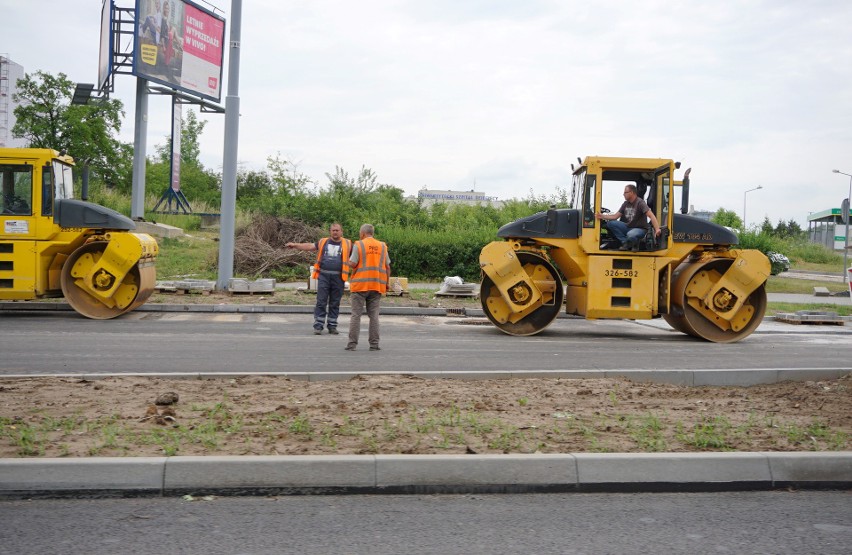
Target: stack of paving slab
398, 286
811, 317
203, 286
313, 284
241, 285
453, 286
159, 230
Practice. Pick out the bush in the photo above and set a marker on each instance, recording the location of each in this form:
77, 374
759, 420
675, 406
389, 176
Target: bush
423, 254
795, 248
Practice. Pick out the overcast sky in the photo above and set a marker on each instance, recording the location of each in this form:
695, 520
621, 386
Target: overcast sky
501, 96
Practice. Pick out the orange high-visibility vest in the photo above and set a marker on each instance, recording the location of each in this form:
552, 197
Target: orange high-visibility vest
346, 246
372, 272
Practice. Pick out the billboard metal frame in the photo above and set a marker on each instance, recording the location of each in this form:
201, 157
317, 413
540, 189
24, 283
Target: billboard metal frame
122, 25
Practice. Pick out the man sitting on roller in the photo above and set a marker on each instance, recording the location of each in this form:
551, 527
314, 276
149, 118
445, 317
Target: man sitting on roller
630, 223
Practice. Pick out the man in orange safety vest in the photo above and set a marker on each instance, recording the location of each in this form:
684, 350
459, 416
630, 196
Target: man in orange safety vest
370, 267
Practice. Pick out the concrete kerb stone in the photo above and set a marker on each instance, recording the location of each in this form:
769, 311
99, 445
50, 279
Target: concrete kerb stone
404, 471
698, 377
804, 468
597, 470
264, 472
261, 475
54, 476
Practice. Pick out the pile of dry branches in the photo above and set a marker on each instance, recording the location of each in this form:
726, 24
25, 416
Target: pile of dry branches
259, 247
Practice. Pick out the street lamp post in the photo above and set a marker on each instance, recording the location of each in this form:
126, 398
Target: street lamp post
744, 204
846, 218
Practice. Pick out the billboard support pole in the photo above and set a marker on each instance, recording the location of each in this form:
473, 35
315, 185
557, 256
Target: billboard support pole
229, 165
140, 147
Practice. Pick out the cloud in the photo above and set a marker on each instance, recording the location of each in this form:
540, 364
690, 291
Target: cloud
505, 95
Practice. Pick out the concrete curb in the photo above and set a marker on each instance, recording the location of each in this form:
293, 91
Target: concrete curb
383, 474
697, 377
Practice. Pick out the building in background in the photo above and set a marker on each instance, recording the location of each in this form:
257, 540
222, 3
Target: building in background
703, 214
432, 196
827, 228
10, 72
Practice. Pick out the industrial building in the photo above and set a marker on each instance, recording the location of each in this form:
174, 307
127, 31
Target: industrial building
432, 196
10, 72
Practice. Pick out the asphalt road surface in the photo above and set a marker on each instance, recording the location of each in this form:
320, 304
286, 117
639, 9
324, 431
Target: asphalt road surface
143, 342
779, 522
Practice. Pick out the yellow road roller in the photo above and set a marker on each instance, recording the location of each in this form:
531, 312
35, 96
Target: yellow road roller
691, 273
52, 245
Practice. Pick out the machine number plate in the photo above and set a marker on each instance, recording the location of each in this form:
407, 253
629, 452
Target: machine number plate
16, 227
693, 237
621, 273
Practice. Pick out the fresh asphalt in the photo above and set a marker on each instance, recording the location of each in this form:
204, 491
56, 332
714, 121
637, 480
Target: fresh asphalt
418, 474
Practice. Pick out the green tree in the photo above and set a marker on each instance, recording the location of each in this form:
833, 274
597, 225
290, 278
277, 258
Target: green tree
340, 184
190, 133
766, 226
253, 185
286, 176
793, 228
727, 218
45, 118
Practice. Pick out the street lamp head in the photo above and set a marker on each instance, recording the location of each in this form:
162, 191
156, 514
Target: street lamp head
760, 186
835, 171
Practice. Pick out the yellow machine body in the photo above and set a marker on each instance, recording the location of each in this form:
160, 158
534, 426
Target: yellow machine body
52, 245
566, 259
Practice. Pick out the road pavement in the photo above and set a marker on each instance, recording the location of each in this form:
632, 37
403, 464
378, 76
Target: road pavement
779, 522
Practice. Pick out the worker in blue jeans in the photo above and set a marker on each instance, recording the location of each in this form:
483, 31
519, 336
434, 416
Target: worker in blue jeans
331, 272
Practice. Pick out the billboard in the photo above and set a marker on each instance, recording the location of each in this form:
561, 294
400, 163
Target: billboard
105, 60
180, 45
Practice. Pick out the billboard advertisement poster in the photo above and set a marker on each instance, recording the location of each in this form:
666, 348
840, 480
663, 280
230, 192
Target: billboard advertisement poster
181, 45
105, 59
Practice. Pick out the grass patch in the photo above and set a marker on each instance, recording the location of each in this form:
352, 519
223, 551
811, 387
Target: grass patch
453, 429
780, 284
189, 256
775, 307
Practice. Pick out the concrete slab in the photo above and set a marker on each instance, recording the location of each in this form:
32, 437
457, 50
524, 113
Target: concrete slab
475, 470
803, 468
199, 473
735, 377
805, 374
159, 230
138, 474
667, 468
